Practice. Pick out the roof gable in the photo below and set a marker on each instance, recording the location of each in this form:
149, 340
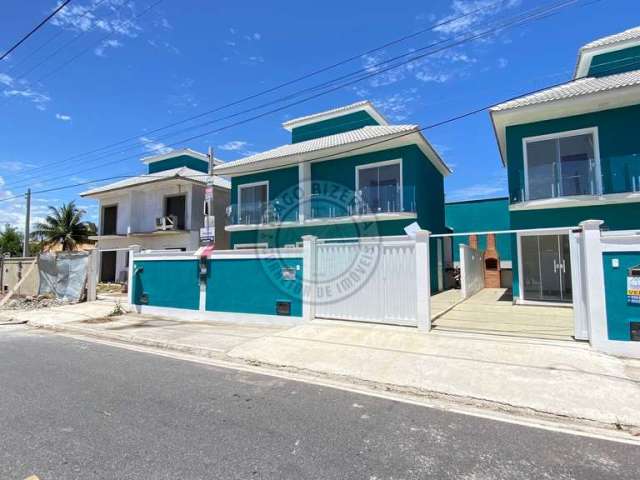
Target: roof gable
369, 138
365, 106
606, 45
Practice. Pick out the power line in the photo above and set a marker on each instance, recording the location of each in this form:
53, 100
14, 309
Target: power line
65, 45
542, 12
325, 156
92, 46
34, 30
285, 84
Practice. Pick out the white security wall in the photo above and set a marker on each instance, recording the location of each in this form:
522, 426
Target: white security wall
471, 271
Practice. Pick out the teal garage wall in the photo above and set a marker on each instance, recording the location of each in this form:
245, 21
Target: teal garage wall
280, 181
253, 286
177, 162
618, 139
618, 61
622, 216
167, 283
479, 216
619, 312
332, 126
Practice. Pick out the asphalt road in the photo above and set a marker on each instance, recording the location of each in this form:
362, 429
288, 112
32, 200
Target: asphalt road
71, 409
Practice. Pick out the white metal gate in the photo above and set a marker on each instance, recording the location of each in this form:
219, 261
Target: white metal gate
371, 281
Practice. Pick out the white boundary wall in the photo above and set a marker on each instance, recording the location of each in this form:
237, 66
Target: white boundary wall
471, 271
594, 243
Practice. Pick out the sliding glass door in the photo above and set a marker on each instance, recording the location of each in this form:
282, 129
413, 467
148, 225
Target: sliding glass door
546, 268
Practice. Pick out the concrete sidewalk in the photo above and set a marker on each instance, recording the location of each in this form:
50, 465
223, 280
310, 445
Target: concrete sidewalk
555, 378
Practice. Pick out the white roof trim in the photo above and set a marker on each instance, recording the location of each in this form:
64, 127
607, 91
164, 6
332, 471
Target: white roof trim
181, 173
178, 153
364, 105
393, 136
585, 55
619, 97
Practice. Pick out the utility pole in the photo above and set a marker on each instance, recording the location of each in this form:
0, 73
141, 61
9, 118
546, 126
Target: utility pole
209, 194
27, 221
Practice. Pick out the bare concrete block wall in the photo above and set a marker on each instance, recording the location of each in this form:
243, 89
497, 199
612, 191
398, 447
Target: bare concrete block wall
14, 269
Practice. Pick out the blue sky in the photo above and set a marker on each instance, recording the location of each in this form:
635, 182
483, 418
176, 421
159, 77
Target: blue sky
123, 68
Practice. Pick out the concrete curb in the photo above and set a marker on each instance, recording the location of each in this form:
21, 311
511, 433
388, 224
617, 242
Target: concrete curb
132, 339
220, 355
13, 322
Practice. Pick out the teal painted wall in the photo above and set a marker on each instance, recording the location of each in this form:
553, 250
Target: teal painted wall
280, 237
618, 138
480, 215
418, 173
177, 162
167, 283
253, 286
283, 184
618, 61
619, 313
344, 123
622, 216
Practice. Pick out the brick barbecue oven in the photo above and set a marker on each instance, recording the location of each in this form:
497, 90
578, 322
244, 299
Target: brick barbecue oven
491, 263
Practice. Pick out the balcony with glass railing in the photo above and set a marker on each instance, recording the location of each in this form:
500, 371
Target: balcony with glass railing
261, 213
556, 181
623, 174
330, 205
386, 199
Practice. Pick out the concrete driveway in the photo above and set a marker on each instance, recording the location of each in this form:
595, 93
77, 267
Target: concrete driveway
491, 311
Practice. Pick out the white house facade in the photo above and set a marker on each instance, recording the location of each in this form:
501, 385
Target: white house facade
161, 210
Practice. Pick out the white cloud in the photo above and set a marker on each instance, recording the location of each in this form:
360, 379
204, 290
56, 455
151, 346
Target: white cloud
495, 185
243, 47
474, 11
398, 106
154, 147
62, 117
234, 145
6, 79
40, 100
14, 166
502, 62
111, 43
183, 95
109, 16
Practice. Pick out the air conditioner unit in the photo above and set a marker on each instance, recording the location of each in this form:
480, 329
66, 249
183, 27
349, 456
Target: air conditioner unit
169, 222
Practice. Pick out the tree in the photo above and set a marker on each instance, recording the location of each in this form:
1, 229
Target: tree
64, 226
11, 241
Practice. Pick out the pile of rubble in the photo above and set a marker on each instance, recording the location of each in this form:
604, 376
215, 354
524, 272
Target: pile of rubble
33, 302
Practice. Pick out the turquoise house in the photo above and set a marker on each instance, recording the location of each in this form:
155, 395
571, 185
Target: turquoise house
572, 153
347, 173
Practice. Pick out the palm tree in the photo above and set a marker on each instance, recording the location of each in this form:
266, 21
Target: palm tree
64, 226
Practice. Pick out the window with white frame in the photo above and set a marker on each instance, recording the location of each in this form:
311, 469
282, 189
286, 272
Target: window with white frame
252, 202
379, 187
560, 165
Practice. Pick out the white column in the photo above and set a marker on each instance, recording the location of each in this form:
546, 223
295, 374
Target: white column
308, 277
133, 250
423, 285
304, 185
594, 281
92, 275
